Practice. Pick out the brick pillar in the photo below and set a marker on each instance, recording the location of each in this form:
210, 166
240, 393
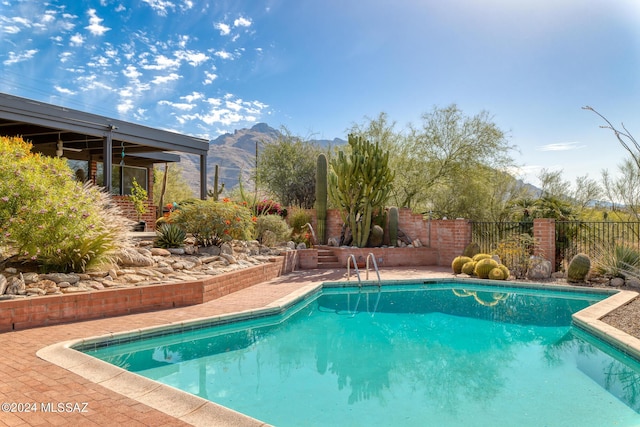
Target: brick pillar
544, 231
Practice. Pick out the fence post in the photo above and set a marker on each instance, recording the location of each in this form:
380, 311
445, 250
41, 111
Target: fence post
544, 231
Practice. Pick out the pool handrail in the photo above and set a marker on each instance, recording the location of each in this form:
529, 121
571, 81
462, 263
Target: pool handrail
355, 266
375, 265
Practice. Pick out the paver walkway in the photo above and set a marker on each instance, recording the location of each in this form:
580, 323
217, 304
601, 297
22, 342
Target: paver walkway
32, 384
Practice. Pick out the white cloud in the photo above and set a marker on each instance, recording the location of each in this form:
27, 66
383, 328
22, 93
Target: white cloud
178, 105
14, 58
209, 78
162, 63
560, 146
76, 40
124, 106
120, 8
224, 28
192, 58
242, 22
165, 79
223, 54
65, 56
64, 91
193, 97
95, 27
131, 72
11, 29
160, 6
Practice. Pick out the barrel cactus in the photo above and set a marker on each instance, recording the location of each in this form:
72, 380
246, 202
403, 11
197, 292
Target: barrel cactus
458, 262
484, 266
505, 271
480, 256
578, 268
496, 274
469, 268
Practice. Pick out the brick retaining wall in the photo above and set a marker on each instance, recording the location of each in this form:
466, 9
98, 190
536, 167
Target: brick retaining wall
31, 312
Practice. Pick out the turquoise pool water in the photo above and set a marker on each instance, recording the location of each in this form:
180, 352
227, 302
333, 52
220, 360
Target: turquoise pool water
417, 355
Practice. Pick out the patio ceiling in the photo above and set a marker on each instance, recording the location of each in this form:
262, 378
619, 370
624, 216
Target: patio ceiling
49, 127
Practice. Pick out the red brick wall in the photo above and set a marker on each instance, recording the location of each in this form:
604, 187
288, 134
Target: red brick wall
544, 231
126, 205
33, 312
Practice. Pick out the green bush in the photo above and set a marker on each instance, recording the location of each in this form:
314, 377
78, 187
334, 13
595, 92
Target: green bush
49, 218
274, 223
212, 222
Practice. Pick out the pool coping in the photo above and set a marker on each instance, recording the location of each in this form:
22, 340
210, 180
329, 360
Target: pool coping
197, 411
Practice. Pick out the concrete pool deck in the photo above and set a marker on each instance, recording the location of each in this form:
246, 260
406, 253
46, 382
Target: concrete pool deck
34, 387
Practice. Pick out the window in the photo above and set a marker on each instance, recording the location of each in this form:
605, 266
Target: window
122, 178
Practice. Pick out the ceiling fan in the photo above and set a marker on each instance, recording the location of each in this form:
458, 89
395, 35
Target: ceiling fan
60, 148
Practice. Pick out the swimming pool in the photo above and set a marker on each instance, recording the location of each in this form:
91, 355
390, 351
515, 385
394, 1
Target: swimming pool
422, 354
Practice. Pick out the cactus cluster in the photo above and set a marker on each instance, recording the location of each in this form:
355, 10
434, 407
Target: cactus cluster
360, 184
321, 197
578, 268
481, 265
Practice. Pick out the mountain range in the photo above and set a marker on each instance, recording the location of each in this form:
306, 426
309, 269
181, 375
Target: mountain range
235, 155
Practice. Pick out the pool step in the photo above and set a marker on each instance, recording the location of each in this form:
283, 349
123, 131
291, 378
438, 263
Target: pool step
326, 259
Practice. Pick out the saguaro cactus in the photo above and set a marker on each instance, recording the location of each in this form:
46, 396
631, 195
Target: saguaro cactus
216, 190
359, 184
393, 226
321, 197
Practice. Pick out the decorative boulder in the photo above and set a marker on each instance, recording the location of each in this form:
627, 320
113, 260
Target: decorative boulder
3, 284
538, 269
131, 258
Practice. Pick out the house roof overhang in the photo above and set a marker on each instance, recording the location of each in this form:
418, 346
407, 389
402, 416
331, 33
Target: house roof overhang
45, 124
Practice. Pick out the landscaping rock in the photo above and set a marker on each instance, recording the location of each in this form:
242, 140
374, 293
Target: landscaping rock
132, 258
3, 284
61, 277
538, 269
160, 252
226, 248
176, 251
16, 286
633, 282
616, 282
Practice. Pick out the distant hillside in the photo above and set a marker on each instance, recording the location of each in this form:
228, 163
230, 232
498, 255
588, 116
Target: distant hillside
235, 154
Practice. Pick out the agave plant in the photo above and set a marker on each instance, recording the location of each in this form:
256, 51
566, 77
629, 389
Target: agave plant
170, 235
617, 260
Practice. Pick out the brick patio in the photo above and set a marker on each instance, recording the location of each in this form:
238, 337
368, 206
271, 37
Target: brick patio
27, 379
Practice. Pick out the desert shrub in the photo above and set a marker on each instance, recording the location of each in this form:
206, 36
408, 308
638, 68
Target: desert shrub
515, 251
298, 219
269, 207
275, 224
213, 222
614, 260
49, 218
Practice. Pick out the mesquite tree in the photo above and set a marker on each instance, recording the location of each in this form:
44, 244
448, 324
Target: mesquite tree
359, 184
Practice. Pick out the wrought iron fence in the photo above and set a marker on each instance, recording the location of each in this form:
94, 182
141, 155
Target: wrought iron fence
593, 237
512, 241
572, 237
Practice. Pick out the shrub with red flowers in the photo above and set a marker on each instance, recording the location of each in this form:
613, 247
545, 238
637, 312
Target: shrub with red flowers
269, 207
213, 222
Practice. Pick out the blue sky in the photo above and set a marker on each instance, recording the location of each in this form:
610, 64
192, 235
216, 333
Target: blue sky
209, 67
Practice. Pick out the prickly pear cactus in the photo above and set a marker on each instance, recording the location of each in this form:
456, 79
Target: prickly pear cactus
393, 226
458, 262
321, 197
578, 268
